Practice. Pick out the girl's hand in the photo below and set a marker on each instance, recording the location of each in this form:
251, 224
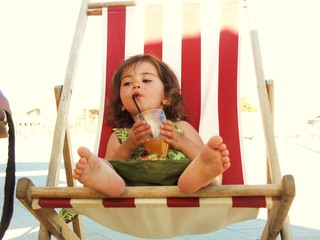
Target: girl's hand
137, 135
173, 137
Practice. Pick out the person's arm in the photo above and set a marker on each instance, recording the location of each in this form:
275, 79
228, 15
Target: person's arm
116, 150
189, 143
2, 115
4, 105
136, 139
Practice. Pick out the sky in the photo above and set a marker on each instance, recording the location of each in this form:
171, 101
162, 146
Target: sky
36, 37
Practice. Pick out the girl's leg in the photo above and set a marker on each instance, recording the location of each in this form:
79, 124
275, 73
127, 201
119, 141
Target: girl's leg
207, 167
98, 174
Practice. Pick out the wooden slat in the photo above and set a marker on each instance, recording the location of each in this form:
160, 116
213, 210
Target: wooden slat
69, 165
96, 8
270, 92
94, 12
272, 190
62, 116
275, 172
67, 152
96, 5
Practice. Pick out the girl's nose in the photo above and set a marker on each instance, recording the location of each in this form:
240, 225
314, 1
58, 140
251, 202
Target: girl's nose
136, 85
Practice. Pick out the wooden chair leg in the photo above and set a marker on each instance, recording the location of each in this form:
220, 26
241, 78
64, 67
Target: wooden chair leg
48, 217
69, 165
278, 217
286, 232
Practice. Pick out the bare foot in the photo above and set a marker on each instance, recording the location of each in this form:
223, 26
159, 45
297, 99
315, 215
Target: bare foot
207, 167
96, 173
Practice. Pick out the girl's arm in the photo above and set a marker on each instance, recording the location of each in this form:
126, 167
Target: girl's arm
136, 138
190, 142
116, 150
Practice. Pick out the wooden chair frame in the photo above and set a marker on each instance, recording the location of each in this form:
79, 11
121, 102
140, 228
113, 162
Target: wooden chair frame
281, 189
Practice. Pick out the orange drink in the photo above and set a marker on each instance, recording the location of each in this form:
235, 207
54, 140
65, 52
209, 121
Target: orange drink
156, 143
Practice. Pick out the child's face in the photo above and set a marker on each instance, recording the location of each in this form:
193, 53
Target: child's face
141, 79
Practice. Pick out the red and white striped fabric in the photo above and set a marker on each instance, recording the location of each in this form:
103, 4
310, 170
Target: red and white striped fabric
200, 42
170, 202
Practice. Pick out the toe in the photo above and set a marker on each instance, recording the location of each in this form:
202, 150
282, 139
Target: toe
222, 147
226, 165
215, 142
225, 153
84, 152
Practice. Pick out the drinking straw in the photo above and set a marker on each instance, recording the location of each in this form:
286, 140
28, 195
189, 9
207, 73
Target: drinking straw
135, 103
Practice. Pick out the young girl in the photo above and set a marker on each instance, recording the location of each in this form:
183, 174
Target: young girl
154, 85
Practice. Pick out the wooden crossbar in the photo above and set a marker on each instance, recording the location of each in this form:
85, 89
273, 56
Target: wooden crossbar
271, 190
159, 192
96, 8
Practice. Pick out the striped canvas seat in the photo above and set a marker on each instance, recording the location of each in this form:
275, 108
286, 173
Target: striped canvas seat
201, 41
201, 45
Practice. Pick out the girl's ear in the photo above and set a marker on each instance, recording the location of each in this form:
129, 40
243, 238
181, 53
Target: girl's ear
165, 102
122, 108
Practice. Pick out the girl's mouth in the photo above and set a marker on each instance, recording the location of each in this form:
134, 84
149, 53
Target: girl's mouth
136, 95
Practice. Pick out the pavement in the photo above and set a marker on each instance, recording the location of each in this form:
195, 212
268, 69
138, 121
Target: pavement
299, 156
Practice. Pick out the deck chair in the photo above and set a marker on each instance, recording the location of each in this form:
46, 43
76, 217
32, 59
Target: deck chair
207, 61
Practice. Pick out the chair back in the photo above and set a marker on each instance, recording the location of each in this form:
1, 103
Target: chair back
200, 42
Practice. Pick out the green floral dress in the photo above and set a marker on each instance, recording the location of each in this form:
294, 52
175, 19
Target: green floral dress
146, 169
141, 154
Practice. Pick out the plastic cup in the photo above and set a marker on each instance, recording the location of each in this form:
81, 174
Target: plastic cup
154, 118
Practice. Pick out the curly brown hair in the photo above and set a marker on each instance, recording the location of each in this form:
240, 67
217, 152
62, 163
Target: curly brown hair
174, 110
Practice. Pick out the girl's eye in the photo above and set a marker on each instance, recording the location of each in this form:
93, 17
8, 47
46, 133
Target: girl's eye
126, 84
146, 80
